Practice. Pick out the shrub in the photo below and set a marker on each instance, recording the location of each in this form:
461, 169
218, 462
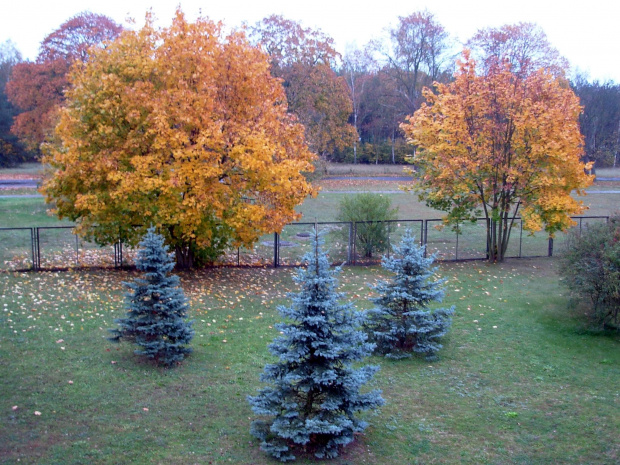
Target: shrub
400, 323
371, 214
590, 268
315, 390
157, 307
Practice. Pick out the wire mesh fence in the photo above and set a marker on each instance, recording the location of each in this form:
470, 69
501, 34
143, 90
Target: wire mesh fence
361, 243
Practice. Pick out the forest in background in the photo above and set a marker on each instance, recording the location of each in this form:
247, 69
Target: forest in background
351, 103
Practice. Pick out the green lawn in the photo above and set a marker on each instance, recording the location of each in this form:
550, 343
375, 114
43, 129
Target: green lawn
519, 380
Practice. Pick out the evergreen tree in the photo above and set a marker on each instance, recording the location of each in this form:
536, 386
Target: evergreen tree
315, 391
157, 307
401, 323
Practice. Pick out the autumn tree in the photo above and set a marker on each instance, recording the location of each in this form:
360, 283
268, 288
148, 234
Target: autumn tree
11, 151
183, 128
305, 59
37, 88
523, 45
73, 39
502, 144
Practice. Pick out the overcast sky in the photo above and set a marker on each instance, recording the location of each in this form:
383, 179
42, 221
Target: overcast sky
587, 33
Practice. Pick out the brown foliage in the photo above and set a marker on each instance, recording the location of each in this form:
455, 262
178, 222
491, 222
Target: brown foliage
303, 59
37, 89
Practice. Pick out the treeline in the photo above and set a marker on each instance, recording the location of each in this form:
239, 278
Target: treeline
351, 104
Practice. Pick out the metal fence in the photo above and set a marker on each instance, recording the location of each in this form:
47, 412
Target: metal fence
57, 247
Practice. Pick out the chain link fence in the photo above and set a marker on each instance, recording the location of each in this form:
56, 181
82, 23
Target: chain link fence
364, 243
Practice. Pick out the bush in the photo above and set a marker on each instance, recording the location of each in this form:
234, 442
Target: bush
401, 323
371, 214
590, 267
157, 307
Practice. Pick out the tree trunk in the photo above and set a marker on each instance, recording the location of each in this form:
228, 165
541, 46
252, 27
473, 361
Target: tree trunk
184, 257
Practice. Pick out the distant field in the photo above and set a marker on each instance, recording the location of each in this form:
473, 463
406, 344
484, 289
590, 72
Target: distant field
608, 172
25, 170
350, 169
57, 246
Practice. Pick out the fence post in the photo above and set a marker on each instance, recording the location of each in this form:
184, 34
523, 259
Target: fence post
350, 245
520, 238
456, 252
354, 241
425, 238
77, 250
550, 246
488, 237
38, 248
33, 249
276, 250
118, 254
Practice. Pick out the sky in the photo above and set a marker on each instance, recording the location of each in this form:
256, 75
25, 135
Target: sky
587, 33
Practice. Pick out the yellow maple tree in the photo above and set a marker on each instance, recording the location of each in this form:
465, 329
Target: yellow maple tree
183, 128
500, 144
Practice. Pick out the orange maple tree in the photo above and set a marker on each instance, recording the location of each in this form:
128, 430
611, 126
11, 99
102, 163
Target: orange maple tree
37, 88
182, 128
502, 144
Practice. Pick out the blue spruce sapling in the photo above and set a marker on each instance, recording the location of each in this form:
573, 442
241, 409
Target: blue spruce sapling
401, 323
314, 391
157, 307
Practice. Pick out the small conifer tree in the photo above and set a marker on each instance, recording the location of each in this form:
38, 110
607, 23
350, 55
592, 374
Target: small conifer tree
401, 323
157, 307
314, 391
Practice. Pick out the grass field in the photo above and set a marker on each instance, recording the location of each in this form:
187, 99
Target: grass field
61, 249
520, 379
25, 170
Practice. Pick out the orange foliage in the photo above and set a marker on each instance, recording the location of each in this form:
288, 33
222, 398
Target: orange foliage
181, 128
37, 89
502, 144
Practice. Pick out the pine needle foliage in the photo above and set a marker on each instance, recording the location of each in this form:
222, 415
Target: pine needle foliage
314, 391
401, 323
157, 307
